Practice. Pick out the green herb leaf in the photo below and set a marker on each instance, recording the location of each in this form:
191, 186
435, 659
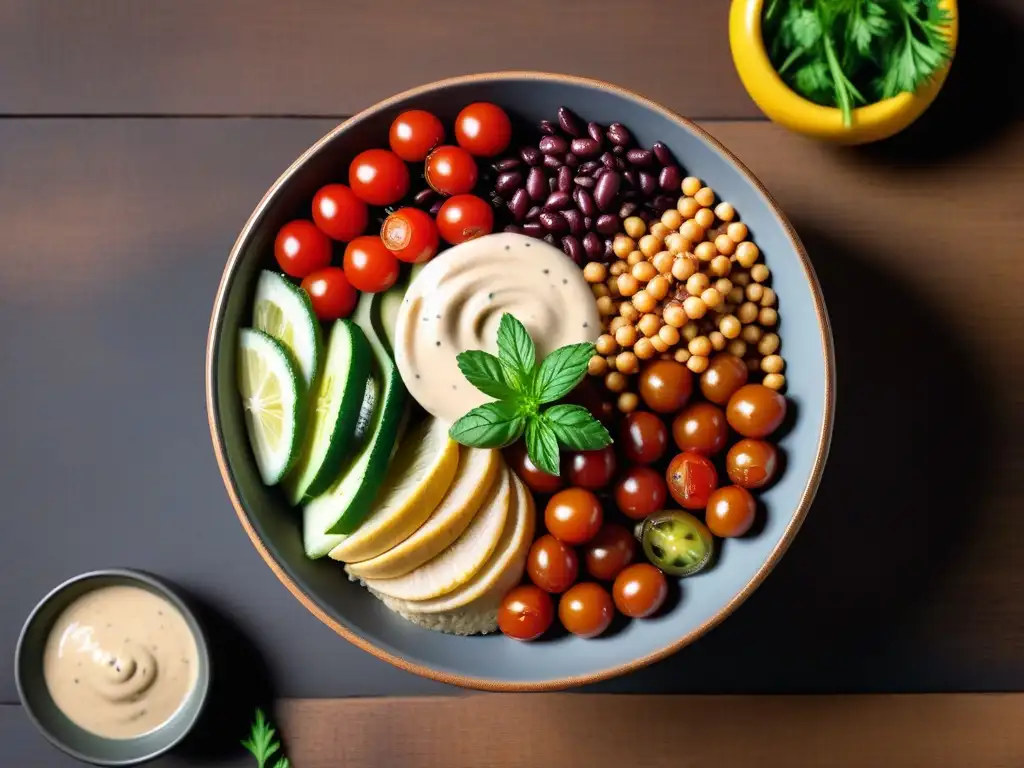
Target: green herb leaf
485, 372
491, 425
517, 352
542, 445
261, 742
561, 371
806, 28
576, 428
282, 763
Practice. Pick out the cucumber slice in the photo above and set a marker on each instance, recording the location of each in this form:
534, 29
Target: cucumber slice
343, 506
273, 396
333, 413
284, 311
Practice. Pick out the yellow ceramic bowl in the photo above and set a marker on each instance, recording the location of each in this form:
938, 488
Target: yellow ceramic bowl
785, 107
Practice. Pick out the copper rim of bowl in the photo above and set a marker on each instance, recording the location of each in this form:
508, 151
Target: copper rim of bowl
489, 684
200, 691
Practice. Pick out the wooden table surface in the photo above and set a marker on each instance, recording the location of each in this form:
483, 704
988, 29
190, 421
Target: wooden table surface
135, 138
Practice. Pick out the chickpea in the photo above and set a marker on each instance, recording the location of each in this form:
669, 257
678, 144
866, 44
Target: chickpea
705, 251
692, 231
659, 230
747, 312
658, 287
774, 381
605, 305
772, 364
677, 244
705, 217
643, 349
649, 325
595, 272
720, 267
599, 290
769, 344
725, 211
725, 246
627, 284
626, 336
768, 298
644, 271
650, 245
662, 260
687, 207
747, 253
613, 288
700, 346
681, 355
730, 327
767, 316
606, 344
735, 295
684, 267
697, 363
705, 196
754, 292
718, 340
690, 331
628, 401
711, 297
751, 334
629, 312
741, 279
618, 268
659, 344
759, 273
674, 315
617, 322
724, 286
610, 360
643, 301
736, 347
672, 219
697, 283
634, 258
690, 186
737, 231
626, 362
597, 366
669, 334
635, 227
623, 245
615, 381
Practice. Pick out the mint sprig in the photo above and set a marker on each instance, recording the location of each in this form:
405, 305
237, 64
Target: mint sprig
520, 387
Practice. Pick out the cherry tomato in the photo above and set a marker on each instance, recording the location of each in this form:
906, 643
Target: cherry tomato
586, 609
701, 427
379, 177
339, 213
301, 248
640, 590
411, 235
640, 491
610, 551
644, 437
463, 218
331, 293
677, 542
691, 478
535, 478
526, 612
451, 170
592, 469
665, 385
414, 133
752, 463
730, 511
573, 515
483, 129
552, 565
592, 397
369, 266
724, 375
754, 410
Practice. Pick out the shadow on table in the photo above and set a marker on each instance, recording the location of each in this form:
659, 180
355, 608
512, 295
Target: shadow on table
240, 683
888, 518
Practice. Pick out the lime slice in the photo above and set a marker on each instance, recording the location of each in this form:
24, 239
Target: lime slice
272, 395
284, 311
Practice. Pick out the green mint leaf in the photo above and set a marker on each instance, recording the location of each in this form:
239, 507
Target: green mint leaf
561, 371
517, 352
576, 428
485, 372
542, 445
491, 425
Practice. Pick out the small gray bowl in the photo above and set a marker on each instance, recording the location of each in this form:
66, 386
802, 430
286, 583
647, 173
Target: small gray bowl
53, 724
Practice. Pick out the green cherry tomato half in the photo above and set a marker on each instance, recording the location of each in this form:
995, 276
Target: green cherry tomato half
676, 542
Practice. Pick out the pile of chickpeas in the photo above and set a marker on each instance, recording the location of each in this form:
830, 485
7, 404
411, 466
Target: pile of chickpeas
682, 288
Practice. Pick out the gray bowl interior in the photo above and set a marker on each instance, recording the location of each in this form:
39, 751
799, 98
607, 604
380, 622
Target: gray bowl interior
61, 731
805, 341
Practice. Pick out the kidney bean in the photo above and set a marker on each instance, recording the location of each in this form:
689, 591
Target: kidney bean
618, 151
519, 204
670, 178
629, 194
585, 202
557, 200
565, 178
533, 229
553, 161
663, 202
536, 184
533, 213
548, 128
642, 157
608, 160
569, 121
436, 208
644, 214
584, 181
596, 132
514, 229
618, 135
621, 164
606, 189
572, 160
592, 245
663, 153
589, 167
508, 182
599, 173
573, 248
575, 221
553, 221
425, 196
588, 223
607, 224
585, 147
553, 145
531, 155
631, 177
627, 210
506, 164
648, 184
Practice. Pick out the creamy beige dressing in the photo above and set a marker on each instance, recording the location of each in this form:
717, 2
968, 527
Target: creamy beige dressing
120, 661
456, 303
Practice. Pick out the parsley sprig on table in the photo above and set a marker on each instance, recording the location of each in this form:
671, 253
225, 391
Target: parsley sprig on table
845, 53
262, 744
521, 387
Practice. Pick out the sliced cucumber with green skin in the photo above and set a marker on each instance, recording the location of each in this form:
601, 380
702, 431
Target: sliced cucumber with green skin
273, 398
342, 507
334, 410
283, 310
391, 302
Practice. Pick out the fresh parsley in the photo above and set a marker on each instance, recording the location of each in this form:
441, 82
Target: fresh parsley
262, 745
846, 53
520, 387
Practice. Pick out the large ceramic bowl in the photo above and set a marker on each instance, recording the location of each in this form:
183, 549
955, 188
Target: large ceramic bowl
496, 662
